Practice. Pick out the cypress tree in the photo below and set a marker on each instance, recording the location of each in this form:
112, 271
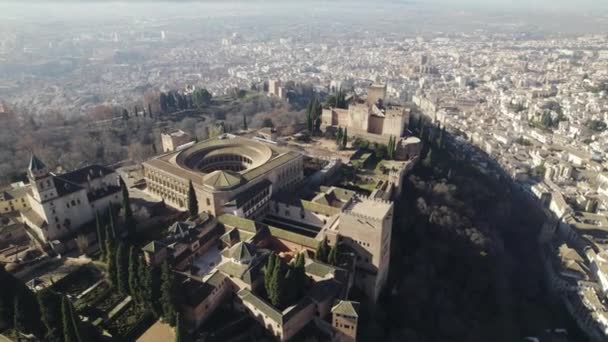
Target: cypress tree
309, 116
345, 137
122, 268
322, 251
332, 258
339, 137
167, 294
70, 327
163, 102
111, 261
428, 160
50, 314
269, 270
277, 284
108, 244
18, 305
112, 234
6, 298
441, 138
192, 201
100, 235
155, 290
4, 313
149, 110
423, 134
19, 317
179, 331
290, 287
300, 269
134, 283
144, 281
244, 122
126, 206
317, 114
319, 251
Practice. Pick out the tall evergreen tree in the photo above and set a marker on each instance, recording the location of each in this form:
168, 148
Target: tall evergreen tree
71, 331
318, 110
154, 148
125, 114
423, 134
180, 334
50, 314
268, 272
111, 261
149, 286
20, 315
428, 160
345, 137
339, 137
4, 313
155, 274
100, 235
134, 282
300, 270
163, 102
171, 100
440, 142
332, 258
192, 201
277, 284
322, 252
28, 313
112, 227
244, 122
167, 294
122, 267
126, 207
149, 110
309, 123
290, 292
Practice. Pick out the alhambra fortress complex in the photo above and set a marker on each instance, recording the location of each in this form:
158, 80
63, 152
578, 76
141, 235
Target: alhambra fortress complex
254, 199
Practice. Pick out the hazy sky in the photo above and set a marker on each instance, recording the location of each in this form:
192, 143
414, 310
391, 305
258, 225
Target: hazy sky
493, 4
523, 4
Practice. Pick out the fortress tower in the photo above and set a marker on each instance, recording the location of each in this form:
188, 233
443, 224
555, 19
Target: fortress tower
365, 226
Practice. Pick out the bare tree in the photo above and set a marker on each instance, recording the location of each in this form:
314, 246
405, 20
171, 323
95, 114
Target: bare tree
82, 243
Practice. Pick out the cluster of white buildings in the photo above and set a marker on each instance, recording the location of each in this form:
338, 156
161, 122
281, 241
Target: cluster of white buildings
539, 110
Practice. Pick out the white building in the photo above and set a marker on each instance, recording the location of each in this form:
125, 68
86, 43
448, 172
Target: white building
61, 204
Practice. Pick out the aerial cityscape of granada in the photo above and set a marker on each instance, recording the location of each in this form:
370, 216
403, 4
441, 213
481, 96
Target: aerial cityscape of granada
308, 171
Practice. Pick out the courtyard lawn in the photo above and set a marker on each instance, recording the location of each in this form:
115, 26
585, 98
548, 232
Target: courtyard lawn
94, 296
123, 324
79, 280
109, 301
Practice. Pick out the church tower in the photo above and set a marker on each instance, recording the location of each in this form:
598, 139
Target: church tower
43, 187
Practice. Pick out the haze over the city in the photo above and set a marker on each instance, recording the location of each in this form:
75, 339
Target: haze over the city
416, 170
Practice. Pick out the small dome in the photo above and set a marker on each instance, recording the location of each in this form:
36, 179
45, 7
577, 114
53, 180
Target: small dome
222, 180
